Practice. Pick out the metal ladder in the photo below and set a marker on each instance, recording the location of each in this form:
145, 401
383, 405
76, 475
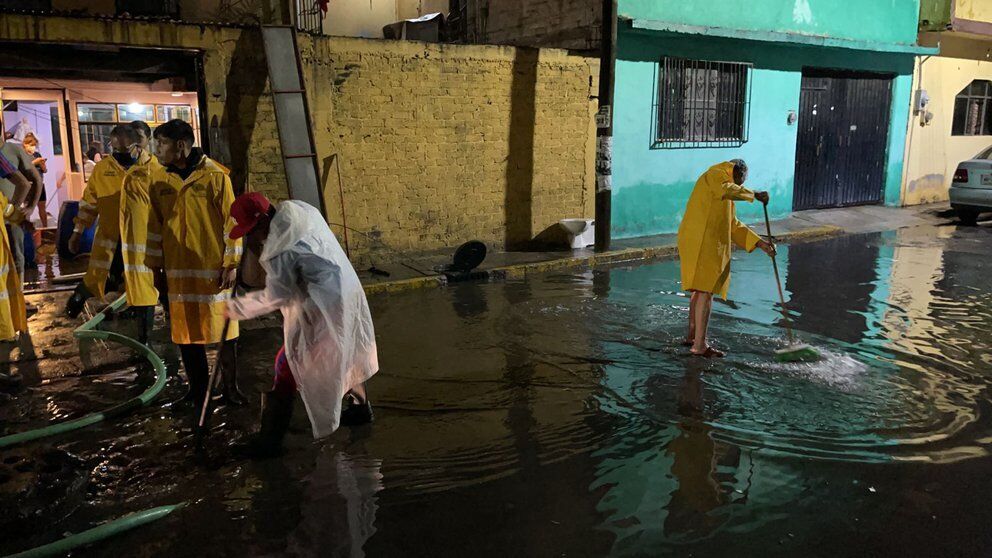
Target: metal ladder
299, 151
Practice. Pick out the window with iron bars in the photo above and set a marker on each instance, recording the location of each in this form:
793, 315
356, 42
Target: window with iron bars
973, 110
702, 103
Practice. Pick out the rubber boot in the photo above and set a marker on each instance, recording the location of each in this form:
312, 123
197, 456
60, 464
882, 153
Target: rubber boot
146, 320
77, 301
277, 411
230, 393
357, 414
195, 364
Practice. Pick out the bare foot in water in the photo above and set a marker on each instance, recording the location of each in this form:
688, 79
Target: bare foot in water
709, 352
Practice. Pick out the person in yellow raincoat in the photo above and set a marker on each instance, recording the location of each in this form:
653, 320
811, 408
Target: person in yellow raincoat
13, 317
102, 198
708, 227
191, 198
142, 251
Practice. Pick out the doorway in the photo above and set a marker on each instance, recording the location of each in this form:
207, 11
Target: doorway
843, 136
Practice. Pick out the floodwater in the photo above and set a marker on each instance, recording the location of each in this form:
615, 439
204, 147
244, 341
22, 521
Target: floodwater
558, 416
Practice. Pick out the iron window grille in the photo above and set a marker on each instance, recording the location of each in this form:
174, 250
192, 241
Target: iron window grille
309, 17
973, 110
701, 103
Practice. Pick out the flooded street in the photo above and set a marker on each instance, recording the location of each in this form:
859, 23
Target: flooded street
558, 416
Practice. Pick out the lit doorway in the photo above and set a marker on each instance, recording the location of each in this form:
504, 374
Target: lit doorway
40, 114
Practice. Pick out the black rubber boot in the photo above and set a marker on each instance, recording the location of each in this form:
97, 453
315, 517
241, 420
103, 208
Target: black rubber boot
357, 414
194, 359
146, 320
230, 393
277, 411
77, 301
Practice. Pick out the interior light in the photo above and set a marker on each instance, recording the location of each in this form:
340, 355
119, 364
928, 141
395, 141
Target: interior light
134, 108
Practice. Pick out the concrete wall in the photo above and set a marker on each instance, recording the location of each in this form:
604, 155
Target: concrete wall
572, 24
932, 153
890, 21
359, 18
651, 186
438, 144
410, 9
973, 10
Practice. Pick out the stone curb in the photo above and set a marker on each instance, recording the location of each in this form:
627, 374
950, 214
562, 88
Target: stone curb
519, 271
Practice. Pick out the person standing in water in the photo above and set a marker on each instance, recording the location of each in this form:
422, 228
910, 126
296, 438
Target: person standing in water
708, 228
329, 348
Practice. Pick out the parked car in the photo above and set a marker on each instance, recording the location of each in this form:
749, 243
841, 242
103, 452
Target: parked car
971, 189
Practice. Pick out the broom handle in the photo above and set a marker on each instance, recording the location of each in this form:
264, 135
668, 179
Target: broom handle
778, 282
212, 378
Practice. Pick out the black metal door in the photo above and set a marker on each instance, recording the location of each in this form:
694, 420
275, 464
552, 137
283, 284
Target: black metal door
843, 132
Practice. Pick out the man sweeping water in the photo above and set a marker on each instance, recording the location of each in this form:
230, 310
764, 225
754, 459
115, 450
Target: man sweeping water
329, 346
708, 227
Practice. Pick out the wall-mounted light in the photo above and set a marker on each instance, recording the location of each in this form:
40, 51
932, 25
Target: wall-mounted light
791, 118
177, 94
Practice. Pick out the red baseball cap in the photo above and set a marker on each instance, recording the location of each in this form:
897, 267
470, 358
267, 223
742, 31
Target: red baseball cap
246, 211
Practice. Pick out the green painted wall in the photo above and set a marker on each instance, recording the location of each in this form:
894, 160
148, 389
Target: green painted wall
651, 186
887, 21
935, 15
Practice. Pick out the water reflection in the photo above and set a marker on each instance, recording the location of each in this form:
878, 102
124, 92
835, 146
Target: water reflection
831, 285
558, 415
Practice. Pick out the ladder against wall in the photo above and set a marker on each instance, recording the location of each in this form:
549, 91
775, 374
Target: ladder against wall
299, 151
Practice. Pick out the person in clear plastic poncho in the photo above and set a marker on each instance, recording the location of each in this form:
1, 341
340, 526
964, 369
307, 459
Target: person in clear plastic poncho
329, 346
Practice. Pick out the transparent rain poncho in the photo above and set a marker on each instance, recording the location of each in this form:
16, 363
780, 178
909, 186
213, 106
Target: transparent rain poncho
329, 337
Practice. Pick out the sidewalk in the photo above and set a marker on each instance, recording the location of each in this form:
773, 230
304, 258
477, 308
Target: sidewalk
423, 270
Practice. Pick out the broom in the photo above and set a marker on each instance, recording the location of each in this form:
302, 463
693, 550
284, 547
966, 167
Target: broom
793, 352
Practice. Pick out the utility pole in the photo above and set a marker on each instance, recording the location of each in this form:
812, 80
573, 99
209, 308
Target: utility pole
604, 126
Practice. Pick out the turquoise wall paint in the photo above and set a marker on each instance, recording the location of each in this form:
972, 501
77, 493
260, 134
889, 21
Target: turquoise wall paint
651, 186
887, 21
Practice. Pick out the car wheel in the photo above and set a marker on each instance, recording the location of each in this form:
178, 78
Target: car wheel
968, 216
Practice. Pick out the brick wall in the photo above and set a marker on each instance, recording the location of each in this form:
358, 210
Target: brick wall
571, 24
440, 144
437, 144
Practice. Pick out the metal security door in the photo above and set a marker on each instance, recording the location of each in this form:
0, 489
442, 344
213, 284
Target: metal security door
843, 133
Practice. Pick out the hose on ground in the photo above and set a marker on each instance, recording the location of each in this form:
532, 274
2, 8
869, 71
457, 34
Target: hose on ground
125, 523
89, 331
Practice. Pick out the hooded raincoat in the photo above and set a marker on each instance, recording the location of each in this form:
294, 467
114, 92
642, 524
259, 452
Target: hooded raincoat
101, 198
330, 341
708, 227
194, 215
141, 238
13, 317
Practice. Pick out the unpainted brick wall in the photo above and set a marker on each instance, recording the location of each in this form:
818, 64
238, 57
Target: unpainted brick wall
570, 24
437, 144
440, 144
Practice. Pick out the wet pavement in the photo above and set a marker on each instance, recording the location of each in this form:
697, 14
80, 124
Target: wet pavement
557, 415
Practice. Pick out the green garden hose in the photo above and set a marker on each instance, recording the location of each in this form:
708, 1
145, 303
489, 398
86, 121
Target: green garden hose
130, 521
89, 331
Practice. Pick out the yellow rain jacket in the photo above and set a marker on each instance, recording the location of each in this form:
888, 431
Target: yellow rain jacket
195, 223
13, 317
101, 198
708, 227
141, 240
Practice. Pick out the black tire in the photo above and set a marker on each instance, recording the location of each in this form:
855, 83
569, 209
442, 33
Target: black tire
967, 216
